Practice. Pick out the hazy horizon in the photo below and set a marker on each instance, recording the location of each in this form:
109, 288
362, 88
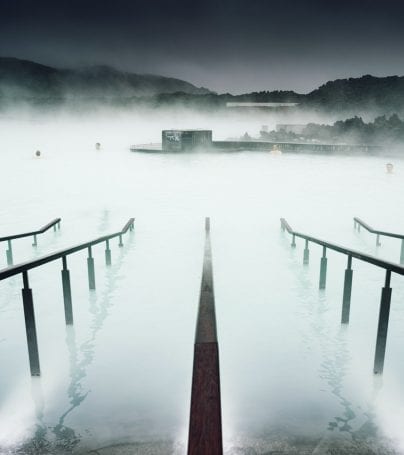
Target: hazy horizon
79, 66
234, 46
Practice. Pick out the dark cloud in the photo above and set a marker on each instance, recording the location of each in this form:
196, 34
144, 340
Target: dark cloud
225, 45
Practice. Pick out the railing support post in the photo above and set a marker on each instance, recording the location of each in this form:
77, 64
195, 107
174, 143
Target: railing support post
54, 228
383, 325
293, 244
91, 271
9, 253
107, 254
323, 269
35, 242
120, 240
306, 253
30, 328
402, 252
346, 299
67, 293
378, 240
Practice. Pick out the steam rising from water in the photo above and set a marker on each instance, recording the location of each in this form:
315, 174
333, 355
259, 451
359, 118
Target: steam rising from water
292, 378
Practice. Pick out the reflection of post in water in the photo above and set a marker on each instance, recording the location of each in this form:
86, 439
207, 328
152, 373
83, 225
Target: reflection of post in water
39, 405
66, 436
335, 355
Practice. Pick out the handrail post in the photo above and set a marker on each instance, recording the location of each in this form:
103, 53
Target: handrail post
293, 244
120, 240
9, 253
346, 298
378, 240
383, 325
67, 293
30, 327
306, 253
402, 252
107, 254
91, 271
35, 241
323, 269
54, 227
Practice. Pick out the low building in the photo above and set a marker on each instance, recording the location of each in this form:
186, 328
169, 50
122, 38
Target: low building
184, 140
252, 105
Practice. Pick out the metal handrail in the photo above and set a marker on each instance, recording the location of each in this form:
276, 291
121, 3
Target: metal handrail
385, 300
358, 221
9, 252
396, 268
32, 233
25, 266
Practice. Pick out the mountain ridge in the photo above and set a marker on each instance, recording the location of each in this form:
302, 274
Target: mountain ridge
43, 85
26, 78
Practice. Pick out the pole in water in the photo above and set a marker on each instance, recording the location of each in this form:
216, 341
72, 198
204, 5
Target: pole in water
67, 293
323, 269
402, 252
91, 271
30, 327
306, 253
9, 253
383, 325
205, 424
107, 254
346, 298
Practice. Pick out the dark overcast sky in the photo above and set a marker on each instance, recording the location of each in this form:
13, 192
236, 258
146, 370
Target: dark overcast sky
225, 45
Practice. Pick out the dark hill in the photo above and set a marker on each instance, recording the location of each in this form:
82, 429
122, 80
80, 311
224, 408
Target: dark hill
22, 78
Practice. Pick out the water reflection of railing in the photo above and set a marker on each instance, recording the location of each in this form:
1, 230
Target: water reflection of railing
27, 292
9, 252
346, 300
358, 223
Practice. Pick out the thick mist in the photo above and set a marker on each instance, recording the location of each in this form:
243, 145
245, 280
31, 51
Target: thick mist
293, 380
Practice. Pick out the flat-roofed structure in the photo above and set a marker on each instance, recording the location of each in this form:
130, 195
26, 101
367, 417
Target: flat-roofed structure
184, 140
252, 105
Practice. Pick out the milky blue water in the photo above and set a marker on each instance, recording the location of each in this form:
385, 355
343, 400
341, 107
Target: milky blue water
293, 380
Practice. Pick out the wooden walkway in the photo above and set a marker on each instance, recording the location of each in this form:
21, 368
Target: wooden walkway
205, 425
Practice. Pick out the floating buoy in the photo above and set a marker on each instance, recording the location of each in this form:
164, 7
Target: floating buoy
97, 146
38, 153
389, 168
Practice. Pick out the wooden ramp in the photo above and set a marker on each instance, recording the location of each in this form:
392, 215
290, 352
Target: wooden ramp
205, 425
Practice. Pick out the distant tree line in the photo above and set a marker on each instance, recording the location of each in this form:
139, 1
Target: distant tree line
384, 129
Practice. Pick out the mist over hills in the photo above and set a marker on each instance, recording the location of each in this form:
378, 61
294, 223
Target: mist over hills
25, 79
45, 86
